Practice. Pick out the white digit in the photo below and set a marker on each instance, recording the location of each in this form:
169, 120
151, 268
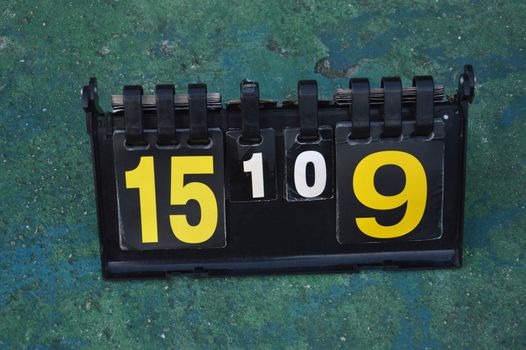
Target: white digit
300, 174
254, 166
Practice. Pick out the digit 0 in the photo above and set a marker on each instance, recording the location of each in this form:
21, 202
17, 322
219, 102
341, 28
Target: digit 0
414, 193
300, 174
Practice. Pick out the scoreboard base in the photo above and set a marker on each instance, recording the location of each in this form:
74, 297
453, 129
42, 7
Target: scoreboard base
431, 259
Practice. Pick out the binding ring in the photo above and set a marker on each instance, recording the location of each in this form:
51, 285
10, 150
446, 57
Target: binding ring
360, 92
308, 110
250, 120
198, 114
424, 111
133, 123
164, 101
392, 87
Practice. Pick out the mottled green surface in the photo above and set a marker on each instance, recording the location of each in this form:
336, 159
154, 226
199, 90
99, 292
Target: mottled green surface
51, 292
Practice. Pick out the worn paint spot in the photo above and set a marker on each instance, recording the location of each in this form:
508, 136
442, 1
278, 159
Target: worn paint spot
3, 42
324, 68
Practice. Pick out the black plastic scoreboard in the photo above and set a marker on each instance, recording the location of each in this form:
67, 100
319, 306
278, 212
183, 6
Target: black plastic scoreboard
372, 178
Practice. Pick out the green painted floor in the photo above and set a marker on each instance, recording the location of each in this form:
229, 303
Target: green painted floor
51, 292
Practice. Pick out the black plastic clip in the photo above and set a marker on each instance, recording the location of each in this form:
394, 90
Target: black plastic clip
90, 103
466, 84
197, 95
392, 106
308, 110
250, 125
424, 113
164, 101
90, 97
360, 92
133, 123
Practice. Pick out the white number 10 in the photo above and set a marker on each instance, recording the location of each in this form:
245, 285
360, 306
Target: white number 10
254, 166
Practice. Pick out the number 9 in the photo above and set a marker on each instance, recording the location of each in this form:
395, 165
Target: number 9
414, 193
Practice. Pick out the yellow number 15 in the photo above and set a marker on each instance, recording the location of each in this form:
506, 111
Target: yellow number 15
414, 193
143, 178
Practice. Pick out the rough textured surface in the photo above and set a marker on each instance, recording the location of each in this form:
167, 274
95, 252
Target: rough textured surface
51, 293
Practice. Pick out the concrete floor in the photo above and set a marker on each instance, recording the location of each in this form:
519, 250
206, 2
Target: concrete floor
51, 292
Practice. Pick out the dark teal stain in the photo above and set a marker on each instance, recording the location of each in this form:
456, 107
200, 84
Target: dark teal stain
515, 111
345, 50
31, 265
477, 232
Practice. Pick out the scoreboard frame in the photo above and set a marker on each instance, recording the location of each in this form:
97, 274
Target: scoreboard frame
286, 232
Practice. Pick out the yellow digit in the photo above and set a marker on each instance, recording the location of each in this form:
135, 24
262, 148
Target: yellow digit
181, 194
414, 193
142, 177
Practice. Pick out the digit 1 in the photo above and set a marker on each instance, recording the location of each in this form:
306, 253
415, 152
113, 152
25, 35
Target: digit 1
254, 166
300, 174
143, 178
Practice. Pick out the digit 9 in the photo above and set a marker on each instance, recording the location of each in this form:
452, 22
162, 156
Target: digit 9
414, 193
